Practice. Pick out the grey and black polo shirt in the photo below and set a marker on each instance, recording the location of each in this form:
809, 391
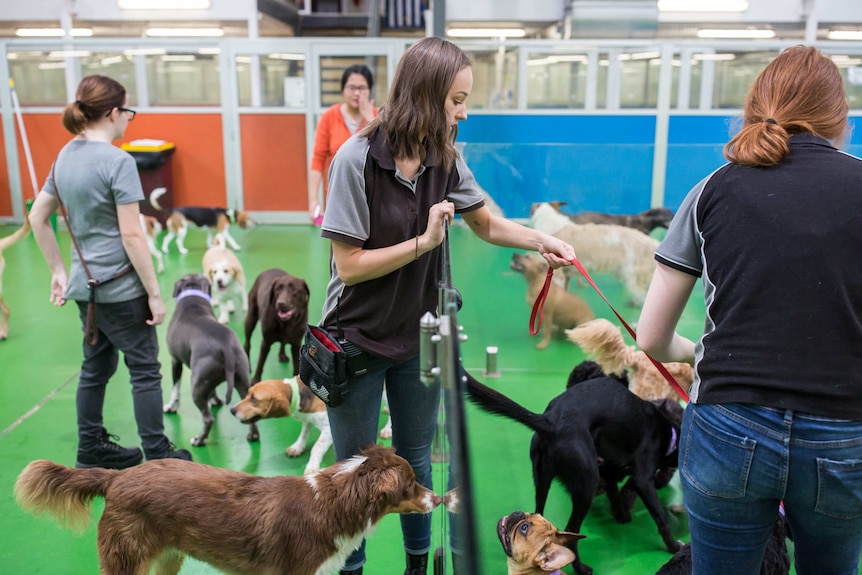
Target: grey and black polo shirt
780, 253
371, 205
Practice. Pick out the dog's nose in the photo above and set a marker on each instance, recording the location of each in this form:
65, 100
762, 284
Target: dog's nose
233, 410
436, 499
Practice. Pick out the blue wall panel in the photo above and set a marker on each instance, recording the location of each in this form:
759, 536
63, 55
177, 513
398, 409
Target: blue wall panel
601, 163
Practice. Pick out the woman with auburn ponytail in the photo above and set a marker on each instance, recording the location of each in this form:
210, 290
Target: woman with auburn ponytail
776, 405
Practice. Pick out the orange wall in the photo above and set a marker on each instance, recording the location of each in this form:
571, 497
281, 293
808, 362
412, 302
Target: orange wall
197, 164
274, 162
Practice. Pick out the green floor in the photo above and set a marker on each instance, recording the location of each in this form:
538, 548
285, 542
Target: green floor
38, 374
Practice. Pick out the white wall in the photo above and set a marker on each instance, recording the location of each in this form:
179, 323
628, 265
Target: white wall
505, 10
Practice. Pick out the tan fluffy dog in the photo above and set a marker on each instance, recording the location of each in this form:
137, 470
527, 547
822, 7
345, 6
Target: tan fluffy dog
289, 397
160, 511
533, 545
563, 310
227, 278
624, 252
603, 341
152, 229
5, 243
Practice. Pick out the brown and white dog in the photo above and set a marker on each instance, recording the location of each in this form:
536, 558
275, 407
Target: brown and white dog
626, 253
533, 545
152, 229
645, 221
603, 341
227, 278
289, 397
216, 220
160, 511
5, 243
563, 309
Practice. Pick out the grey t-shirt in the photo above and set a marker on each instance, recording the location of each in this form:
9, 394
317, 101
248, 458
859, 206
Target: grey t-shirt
94, 178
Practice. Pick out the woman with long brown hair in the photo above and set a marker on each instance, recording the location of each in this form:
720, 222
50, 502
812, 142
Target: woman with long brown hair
391, 188
776, 406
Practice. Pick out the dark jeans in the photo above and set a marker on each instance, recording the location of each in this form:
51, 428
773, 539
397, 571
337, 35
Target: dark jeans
414, 408
122, 327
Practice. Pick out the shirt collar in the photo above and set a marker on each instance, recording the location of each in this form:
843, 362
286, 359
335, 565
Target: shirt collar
380, 151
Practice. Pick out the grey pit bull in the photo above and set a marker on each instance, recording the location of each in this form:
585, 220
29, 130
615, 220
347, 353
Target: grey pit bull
211, 350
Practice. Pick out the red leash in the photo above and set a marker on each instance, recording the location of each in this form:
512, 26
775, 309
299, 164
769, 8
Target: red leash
539, 306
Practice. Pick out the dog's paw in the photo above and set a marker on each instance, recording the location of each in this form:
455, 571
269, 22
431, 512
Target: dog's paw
215, 401
294, 450
677, 509
253, 436
542, 345
171, 407
386, 432
198, 441
311, 469
282, 357
184, 250
621, 515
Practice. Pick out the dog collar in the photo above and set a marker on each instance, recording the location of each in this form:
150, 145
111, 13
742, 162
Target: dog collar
193, 292
674, 439
294, 396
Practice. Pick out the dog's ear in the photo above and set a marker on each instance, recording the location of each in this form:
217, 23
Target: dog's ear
554, 557
670, 410
178, 286
566, 538
206, 285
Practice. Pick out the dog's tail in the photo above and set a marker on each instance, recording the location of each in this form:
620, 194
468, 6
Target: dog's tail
18, 234
495, 402
45, 487
154, 198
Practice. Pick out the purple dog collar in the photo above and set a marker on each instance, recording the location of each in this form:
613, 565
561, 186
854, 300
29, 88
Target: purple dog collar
674, 438
193, 292
557, 572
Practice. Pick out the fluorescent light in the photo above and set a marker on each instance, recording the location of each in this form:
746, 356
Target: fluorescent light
639, 56
702, 5
111, 60
486, 32
209, 51
558, 59
164, 4
713, 57
844, 34
283, 56
740, 33
52, 65
144, 51
51, 32
69, 54
171, 32
178, 58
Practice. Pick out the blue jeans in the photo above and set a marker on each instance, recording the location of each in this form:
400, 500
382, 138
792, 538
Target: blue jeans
737, 462
414, 408
122, 327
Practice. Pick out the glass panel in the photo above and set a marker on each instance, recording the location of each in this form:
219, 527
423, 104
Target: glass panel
851, 70
116, 65
183, 79
694, 84
332, 68
495, 78
556, 80
282, 81
733, 77
639, 72
40, 77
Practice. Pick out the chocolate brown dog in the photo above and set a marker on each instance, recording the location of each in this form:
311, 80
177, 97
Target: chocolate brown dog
289, 398
280, 302
533, 545
563, 310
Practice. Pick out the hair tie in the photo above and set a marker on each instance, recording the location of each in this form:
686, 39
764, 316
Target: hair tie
770, 121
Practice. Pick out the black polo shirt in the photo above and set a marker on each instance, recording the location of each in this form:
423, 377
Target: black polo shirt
780, 253
371, 205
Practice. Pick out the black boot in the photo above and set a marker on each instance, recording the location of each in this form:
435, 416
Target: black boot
417, 564
102, 450
351, 572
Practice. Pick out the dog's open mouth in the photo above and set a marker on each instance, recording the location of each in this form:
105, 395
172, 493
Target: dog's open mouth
286, 314
503, 531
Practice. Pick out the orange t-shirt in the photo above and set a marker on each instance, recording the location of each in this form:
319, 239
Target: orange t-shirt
332, 132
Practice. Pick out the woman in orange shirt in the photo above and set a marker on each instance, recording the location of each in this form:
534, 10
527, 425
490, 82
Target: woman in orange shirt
336, 125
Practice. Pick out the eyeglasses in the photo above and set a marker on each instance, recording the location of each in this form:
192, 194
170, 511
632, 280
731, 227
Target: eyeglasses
129, 111
360, 89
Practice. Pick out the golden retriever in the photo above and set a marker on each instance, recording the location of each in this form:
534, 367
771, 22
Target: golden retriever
227, 278
160, 511
624, 252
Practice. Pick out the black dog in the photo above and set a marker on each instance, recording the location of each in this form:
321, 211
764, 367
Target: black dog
776, 561
596, 429
211, 350
280, 301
